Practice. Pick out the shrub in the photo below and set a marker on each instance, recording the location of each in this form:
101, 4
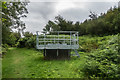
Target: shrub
21, 42
4, 48
88, 44
104, 63
29, 42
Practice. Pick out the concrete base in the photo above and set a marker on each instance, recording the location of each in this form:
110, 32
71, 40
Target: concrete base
56, 54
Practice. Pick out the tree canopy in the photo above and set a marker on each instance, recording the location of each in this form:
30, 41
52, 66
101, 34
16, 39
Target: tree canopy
12, 12
105, 24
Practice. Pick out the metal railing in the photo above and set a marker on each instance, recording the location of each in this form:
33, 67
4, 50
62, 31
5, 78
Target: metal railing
57, 40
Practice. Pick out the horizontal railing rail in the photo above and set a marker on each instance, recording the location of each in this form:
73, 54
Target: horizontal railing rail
47, 40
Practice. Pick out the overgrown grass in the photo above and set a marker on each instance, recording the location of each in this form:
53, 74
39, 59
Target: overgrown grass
29, 63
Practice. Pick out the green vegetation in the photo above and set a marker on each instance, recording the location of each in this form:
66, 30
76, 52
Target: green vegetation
97, 56
98, 39
12, 12
104, 62
4, 48
105, 24
29, 63
28, 42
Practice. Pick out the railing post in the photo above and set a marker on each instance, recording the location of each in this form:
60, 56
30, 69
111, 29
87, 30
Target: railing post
70, 37
64, 39
54, 39
77, 39
44, 40
58, 37
37, 41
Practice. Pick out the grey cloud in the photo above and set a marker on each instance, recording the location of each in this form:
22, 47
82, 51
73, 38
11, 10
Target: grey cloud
80, 14
75, 14
99, 7
38, 16
41, 12
42, 8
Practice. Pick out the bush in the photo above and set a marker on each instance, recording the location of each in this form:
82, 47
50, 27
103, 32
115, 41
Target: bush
4, 48
21, 42
104, 63
29, 42
88, 44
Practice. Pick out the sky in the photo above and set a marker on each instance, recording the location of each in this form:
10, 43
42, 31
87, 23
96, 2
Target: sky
41, 11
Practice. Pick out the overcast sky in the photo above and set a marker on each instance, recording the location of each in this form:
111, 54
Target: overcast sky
40, 12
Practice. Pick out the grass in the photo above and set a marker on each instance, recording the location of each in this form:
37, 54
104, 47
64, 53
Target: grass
29, 63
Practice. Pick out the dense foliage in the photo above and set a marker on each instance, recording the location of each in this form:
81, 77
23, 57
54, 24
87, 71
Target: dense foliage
104, 62
105, 24
94, 62
29, 41
11, 19
11, 41
4, 48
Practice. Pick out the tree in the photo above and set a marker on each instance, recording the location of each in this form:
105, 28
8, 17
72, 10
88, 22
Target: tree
17, 35
11, 39
93, 15
11, 17
51, 26
60, 24
105, 24
28, 34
